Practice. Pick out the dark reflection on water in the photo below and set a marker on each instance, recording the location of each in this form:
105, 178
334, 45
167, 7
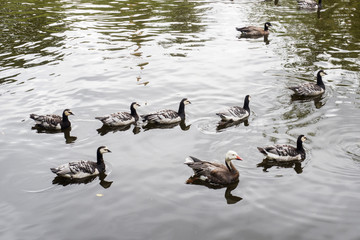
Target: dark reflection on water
230, 198
67, 133
319, 101
222, 125
267, 164
182, 125
266, 37
67, 181
105, 129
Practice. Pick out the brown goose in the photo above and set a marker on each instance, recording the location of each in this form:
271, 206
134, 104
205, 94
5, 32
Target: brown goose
215, 173
252, 31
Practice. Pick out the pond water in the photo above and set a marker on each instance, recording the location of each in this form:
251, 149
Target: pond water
96, 57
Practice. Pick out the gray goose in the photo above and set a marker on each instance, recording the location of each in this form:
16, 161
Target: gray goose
121, 118
309, 4
311, 89
83, 169
52, 121
236, 113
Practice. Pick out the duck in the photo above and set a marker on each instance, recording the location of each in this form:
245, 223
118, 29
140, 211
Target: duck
285, 153
52, 121
236, 113
121, 118
309, 4
252, 31
311, 89
83, 169
215, 173
167, 116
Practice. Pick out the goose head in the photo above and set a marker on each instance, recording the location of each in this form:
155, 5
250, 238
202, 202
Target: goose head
103, 149
134, 105
67, 112
322, 73
302, 138
185, 101
232, 155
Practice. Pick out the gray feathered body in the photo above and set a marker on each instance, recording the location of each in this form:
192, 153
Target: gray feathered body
214, 173
51, 121
117, 119
308, 89
163, 117
283, 152
77, 170
234, 113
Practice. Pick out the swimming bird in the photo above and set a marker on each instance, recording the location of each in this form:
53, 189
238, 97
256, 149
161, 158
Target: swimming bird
311, 89
121, 118
52, 121
285, 152
83, 169
252, 31
236, 113
167, 116
309, 4
215, 173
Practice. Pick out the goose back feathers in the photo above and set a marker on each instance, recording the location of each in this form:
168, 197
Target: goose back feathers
309, 4
52, 121
83, 169
121, 118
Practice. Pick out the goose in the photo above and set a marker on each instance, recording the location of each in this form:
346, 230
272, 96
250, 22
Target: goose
83, 169
236, 113
309, 4
215, 173
252, 31
283, 153
311, 89
167, 116
121, 118
52, 121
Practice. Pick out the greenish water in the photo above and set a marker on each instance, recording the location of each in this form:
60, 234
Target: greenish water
96, 57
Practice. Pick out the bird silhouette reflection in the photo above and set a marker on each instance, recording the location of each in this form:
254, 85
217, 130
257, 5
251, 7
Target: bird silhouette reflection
318, 103
267, 164
182, 125
230, 198
106, 129
223, 125
67, 131
68, 181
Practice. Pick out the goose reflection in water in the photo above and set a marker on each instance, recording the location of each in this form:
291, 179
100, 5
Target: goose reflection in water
223, 125
67, 181
182, 125
67, 131
105, 129
267, 164
318, 100
266, 38
230, 199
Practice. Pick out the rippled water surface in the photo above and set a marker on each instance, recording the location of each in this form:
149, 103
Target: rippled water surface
96, 57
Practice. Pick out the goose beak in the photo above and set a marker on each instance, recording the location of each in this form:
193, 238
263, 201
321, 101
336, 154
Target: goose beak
71, 113
238, 158
108, 150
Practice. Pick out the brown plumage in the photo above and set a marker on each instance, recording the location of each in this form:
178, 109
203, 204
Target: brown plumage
252, 31
215, 173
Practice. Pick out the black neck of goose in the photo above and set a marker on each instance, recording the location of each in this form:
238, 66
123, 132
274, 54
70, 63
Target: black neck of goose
266, 27
65, 118
319, 4
134, 113
299, 145
319, 81
246, 105
99, 158
181, 111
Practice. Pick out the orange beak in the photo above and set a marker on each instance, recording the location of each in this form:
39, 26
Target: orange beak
238, 158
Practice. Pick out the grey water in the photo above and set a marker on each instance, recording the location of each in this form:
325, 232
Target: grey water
96, 57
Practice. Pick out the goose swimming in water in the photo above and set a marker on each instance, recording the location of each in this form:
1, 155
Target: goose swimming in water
52, 121
252, 31
309, 4
215, 173
236, 113
167, 116
311, 89
121, 118
83, 169
285, 152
